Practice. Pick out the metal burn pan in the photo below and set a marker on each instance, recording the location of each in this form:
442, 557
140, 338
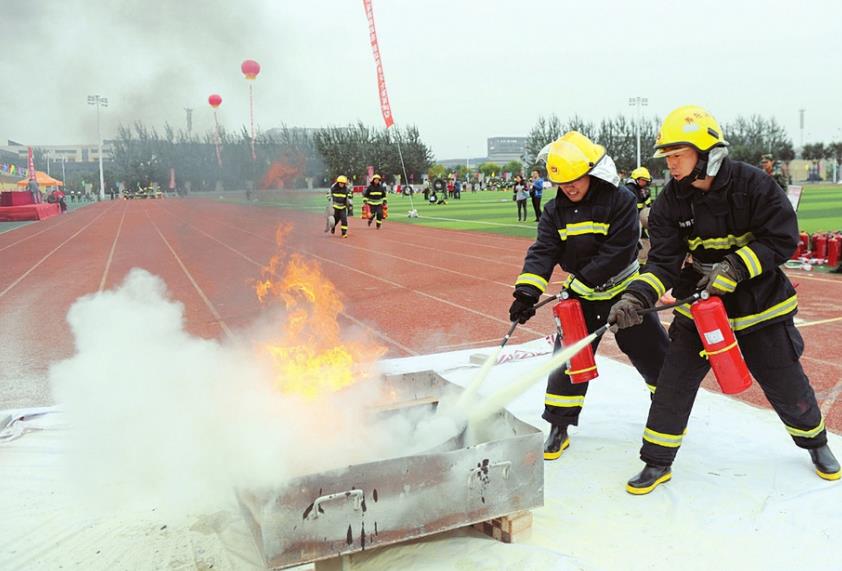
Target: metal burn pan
338, 512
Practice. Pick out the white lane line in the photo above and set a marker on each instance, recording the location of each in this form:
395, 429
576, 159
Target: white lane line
830, 399
481, 222
409, 261
451, 252
198, 289
819, 322
372, 276
459, 234
50, 253
56, 225
344, 314
801, 276
111, 253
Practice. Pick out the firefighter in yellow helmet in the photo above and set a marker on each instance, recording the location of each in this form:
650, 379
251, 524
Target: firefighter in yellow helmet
591, 230
375, 195
639, 185
342, 198
739, 227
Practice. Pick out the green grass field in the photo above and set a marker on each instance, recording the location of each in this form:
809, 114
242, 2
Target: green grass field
490, 211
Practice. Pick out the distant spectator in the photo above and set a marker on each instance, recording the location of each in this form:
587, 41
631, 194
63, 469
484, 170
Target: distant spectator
536, 192
457, 189
520, 193
767, 163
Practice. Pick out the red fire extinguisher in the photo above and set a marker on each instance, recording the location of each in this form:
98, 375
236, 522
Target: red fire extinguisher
819, 246
834, 248
797, 253
366, 211
571, 322
720, 345
385, 210
804, 241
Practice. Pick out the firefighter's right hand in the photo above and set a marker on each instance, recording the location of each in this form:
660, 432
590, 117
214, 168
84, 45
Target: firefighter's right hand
523, 307
626, 313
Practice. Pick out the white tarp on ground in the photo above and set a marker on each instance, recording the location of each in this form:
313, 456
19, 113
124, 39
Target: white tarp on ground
742, 497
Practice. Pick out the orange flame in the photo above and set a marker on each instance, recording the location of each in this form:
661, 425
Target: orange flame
311, 357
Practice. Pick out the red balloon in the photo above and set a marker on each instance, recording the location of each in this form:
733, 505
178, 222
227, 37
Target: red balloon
215, 100
250, 68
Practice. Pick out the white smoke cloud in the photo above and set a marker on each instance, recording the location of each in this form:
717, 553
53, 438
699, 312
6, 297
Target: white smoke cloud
162, 418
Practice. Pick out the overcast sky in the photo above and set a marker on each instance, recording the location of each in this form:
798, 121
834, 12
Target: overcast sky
460, 71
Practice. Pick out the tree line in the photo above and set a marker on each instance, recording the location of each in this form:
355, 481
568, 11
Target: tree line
283, 158
749, 138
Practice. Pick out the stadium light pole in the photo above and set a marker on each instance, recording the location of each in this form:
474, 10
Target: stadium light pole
640, 103
99, 102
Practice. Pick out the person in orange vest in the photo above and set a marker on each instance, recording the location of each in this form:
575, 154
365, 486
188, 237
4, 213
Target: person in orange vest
375, 195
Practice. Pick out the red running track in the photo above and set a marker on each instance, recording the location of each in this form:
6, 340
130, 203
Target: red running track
419, 290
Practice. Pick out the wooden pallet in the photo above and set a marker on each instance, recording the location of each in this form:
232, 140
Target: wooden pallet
508, 528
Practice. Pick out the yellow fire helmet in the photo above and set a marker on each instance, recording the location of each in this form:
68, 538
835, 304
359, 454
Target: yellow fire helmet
641, 172
376, 177
572, 156
689, 125
342, 179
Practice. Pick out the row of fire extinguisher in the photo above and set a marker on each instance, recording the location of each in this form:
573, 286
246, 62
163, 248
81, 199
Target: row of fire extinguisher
820, 248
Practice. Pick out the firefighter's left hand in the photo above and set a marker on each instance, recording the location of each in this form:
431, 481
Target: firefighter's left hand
724, 276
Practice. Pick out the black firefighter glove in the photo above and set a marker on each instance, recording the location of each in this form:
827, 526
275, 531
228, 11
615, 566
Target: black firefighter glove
724, 276
626, 312
523, 307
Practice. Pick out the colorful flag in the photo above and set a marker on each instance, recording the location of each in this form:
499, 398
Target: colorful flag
385, 109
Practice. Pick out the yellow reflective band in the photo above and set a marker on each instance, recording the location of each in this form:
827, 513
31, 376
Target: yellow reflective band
641, 205
724, 284
684, 309
533, 280
739, 323
787, 306
582, 228
725, 243
340, 195
806, 433
339, 206
751, 261
661, 439
579, 371
652, 281
564, 401
651, 388
591, 294
706, 354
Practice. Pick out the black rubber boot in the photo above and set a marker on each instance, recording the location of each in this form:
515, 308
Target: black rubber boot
556, 442
827, 467
648, 479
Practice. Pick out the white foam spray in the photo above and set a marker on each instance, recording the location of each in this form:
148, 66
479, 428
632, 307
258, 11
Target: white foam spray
164, 418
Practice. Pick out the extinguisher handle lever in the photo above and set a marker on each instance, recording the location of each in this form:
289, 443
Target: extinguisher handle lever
696, 296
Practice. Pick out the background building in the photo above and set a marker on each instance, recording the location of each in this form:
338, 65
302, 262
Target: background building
504, 149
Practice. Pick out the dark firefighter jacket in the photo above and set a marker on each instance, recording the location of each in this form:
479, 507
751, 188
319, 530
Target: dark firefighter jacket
643, 195
746, 213
374, 194
595, 240
342, 196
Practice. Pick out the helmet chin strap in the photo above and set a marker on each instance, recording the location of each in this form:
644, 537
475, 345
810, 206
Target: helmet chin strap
700, 171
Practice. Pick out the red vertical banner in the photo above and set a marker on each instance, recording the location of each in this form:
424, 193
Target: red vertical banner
31, 165
385, 109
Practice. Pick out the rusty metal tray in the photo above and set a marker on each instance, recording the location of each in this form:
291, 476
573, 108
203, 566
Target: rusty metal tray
364, 506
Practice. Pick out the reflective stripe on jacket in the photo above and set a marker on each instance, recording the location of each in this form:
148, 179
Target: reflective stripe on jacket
745, 213
594, 239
